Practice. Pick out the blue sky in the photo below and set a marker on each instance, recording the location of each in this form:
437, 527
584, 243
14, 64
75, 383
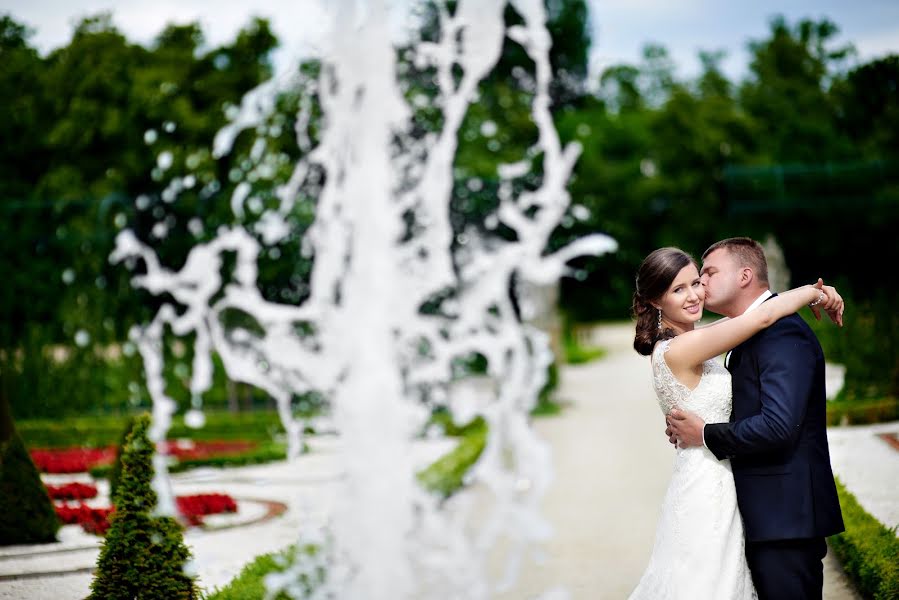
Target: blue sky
620, 27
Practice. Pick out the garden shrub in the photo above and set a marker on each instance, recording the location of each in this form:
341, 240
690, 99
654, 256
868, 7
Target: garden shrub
447, 474
101, 431
143, 556
862, 412
867, 344
27, 515
115, 471
868, 550
249, 584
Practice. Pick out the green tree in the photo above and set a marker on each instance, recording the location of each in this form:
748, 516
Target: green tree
868, 101
787, 92
24, 111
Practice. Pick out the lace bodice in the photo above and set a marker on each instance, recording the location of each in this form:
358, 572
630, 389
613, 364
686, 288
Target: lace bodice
710, 399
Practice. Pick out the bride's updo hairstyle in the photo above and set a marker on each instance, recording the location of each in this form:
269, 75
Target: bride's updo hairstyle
654, 277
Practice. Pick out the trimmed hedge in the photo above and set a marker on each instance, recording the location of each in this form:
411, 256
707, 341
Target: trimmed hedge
446, 475
868, 550
107, 431
250, 582
861, 412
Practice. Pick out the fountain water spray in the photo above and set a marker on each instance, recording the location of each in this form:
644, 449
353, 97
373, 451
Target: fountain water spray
362, 337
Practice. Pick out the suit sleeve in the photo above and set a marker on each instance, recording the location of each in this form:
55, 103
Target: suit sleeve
786, 360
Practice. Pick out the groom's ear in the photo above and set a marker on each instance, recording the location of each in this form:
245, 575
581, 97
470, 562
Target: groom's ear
746, 276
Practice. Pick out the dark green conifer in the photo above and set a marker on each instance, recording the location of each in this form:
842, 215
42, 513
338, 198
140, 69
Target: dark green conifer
115, 474
27, 515
143, 556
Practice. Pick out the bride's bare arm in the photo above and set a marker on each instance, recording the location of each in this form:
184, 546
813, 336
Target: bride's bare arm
715, 322
689, 350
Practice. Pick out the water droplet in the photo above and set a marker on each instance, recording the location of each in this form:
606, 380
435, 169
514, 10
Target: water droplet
68, 276
169, 126
164, 160
488, 128
194, 418
160, 230
580, 212
255, 205
82, 338
195, 226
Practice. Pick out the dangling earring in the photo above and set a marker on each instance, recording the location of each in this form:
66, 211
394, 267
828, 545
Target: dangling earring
660, 319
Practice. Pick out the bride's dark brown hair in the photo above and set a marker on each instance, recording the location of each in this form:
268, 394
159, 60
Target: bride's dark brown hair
654, 277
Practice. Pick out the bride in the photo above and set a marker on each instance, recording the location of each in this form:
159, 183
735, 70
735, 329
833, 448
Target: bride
699, 545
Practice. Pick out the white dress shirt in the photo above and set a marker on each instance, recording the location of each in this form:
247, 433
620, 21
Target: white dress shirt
758, 301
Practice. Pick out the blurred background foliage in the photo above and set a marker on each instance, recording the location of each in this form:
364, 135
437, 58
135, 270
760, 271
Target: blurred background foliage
103, 134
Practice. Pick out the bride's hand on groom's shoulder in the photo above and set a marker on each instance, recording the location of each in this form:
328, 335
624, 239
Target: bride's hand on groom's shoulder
832, 304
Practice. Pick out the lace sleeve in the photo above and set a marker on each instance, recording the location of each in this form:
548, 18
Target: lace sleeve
668, 389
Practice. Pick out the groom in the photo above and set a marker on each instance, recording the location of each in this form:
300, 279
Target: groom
776, 438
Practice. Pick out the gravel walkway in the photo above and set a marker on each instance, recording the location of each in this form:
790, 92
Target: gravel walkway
612, 465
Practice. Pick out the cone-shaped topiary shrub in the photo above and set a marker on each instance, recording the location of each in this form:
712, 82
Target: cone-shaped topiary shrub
115, 473
143, 556
27, 515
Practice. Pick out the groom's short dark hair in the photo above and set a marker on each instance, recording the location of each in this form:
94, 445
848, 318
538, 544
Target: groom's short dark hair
749, 253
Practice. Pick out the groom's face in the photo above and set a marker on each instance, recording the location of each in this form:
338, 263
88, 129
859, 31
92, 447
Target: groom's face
720, 277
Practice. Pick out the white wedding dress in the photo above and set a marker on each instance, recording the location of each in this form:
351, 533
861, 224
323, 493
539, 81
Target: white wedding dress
698, 552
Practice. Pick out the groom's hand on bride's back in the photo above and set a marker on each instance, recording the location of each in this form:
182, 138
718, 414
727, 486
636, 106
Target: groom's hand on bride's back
684, 428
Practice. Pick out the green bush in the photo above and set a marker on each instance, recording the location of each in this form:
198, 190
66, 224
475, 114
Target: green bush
867, 344
860, 412
27, 515
115, 471
868, 550
446, 475
100, 431
250, 582
143, 556
576, 354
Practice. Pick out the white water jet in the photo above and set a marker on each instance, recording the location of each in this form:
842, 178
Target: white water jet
369, 346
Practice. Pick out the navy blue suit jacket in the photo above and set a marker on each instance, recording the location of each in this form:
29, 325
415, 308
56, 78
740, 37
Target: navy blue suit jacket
777, 438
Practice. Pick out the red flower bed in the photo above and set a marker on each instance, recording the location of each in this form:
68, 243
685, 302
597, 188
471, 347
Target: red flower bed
71, 460
92, 520
72, 491
193, 509
189, 449
80, 460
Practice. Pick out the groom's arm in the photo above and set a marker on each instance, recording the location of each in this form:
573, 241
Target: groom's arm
786, 357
